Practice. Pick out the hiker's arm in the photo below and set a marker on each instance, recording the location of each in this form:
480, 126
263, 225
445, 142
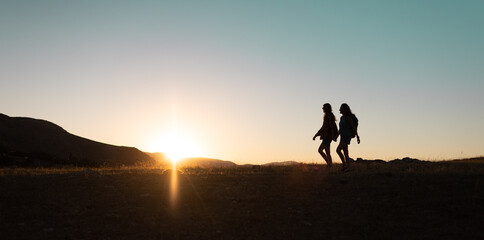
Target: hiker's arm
318, 133
352, 124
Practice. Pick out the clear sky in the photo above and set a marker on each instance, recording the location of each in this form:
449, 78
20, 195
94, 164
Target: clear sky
245, 80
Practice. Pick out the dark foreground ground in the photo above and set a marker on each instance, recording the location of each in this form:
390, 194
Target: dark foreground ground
442, 200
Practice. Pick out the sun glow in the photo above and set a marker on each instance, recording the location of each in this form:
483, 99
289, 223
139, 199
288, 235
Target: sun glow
176, 146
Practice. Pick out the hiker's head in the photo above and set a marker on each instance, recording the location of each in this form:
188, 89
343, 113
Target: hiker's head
327, 107
345, 109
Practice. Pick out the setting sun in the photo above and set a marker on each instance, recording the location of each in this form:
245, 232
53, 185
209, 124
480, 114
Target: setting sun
176, 146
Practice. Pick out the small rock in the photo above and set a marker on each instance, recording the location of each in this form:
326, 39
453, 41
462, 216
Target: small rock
306, 223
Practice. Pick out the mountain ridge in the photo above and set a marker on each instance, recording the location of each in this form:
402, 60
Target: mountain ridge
27, 141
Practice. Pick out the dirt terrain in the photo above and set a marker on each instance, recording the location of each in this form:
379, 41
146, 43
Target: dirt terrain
425, 200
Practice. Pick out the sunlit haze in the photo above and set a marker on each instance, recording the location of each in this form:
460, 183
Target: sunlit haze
245, 80
176, 146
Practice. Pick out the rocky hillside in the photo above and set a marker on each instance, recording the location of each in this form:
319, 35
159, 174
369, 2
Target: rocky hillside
28, 141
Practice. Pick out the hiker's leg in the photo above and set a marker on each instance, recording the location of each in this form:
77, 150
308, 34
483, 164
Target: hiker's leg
329, 160
347, 156
340, 154
320, 150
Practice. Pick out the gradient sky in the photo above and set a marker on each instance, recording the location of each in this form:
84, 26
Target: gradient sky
246, 80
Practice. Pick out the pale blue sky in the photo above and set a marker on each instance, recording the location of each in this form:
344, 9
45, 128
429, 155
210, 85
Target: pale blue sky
245, 80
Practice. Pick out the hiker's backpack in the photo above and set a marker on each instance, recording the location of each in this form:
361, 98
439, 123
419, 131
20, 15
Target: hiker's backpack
355, 122
334, 132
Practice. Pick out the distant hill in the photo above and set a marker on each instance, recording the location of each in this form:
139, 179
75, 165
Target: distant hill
160, 157
205, 163
201, 162
286, 163
28, 141
479, 160
405, 160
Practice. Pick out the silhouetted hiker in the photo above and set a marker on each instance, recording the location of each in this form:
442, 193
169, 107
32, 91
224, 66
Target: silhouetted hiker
328, 132
348, 125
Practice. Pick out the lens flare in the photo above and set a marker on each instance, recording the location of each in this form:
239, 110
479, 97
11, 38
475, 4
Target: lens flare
176, 146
